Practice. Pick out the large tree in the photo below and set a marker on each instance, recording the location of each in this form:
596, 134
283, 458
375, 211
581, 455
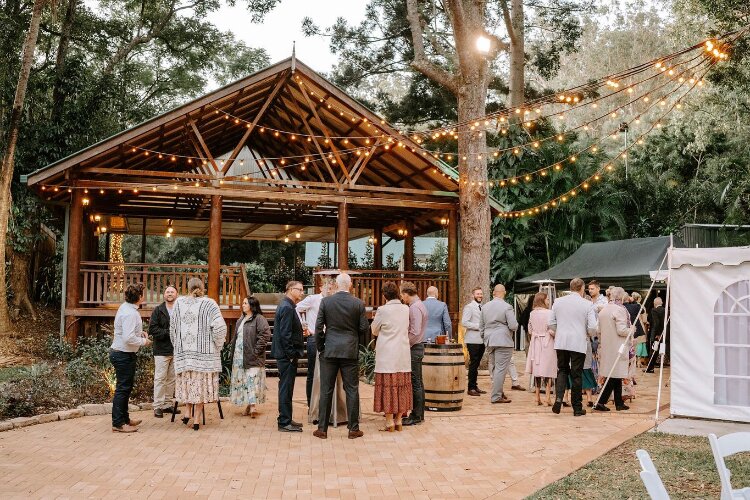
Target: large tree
438, 39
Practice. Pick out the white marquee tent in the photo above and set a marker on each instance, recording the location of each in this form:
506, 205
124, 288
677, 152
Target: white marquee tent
710, 332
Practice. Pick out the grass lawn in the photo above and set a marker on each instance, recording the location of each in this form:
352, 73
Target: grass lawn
684, 463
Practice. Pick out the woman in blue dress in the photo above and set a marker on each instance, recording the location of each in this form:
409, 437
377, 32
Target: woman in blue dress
251, 335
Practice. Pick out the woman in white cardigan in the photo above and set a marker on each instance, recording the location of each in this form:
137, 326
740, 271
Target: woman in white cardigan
393, 394
198, 332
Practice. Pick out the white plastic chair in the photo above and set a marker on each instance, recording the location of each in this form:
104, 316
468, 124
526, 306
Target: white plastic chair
650, 477
725, 446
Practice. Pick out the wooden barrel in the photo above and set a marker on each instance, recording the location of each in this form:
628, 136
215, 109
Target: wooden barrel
444, 376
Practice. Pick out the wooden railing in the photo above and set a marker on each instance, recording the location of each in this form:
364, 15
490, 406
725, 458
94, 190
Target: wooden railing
368, 284
105, 283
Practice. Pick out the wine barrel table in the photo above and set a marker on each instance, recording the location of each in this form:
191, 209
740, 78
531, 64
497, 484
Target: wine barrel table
444, 377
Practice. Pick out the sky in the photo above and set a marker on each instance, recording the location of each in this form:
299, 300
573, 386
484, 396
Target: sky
284, 25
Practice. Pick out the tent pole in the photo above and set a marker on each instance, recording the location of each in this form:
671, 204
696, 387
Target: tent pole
663, 343
621, 350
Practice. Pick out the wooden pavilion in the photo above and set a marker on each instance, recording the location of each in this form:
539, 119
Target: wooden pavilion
281, 154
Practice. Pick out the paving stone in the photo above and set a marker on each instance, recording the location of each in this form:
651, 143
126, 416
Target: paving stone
74, 413
5, 425
484, 450
25, 421
46, 418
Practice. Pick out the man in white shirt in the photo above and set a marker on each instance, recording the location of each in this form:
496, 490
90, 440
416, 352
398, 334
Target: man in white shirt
129, 337
597, 297
473, 339
572, 321
308, 313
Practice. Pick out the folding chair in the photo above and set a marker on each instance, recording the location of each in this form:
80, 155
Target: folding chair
650, 477
725, 446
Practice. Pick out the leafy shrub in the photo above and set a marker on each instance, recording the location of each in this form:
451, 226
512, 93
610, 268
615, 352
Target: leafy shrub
367, 363
33, 390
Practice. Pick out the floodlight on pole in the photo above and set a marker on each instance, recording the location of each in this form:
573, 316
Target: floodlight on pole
484, 44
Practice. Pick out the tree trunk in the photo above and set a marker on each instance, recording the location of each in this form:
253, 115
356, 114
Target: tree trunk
517, 56
6, 176
58, 96
19, 283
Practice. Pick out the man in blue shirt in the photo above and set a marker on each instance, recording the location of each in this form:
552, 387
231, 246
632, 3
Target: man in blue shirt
438, 319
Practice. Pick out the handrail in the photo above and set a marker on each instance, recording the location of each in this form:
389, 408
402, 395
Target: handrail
152, 264
245, 283
426, 274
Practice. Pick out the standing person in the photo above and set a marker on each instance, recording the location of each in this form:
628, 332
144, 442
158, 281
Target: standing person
638, 319
417, 327
287, 346
496, 326
599, 300
438, 318
308, 311
473, 339
614, 327
164, 377
572, 320
541, 362
197, 331
657, 328
341, 320
128, 338
393, 392
249, 340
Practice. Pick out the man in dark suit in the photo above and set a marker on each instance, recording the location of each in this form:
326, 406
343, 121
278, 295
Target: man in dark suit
657, 328
287, 346
341, 320
164, 377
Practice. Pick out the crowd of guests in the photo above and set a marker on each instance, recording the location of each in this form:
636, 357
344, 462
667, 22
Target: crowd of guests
575, 345
584, 344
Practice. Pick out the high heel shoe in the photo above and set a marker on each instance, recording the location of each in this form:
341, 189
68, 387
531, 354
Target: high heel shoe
388, 428
253, 414
185, 420
399, 427
196, 427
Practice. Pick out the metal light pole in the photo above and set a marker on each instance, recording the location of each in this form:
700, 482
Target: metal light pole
624, 128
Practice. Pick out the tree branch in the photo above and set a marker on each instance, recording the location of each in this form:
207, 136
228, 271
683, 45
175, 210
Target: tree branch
508, 22
420, 62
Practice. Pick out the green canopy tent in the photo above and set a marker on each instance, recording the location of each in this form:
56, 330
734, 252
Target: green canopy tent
625, 263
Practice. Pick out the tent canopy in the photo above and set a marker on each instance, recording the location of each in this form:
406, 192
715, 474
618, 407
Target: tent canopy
625, 263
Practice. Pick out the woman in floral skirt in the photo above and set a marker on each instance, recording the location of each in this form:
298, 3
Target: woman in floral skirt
249, 358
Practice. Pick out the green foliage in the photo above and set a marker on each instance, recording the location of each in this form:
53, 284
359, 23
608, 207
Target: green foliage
367, 363
258, 279
33, 390
437, 261
324, 259
390, 263
281, 275
368, 260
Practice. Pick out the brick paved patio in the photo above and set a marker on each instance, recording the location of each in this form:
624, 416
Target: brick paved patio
484, 451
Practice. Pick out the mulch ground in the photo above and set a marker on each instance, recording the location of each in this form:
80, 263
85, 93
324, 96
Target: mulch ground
26, 342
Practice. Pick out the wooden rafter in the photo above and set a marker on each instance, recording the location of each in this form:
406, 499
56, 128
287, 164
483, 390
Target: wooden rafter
287, 232
250, 230
269, 101
202, 144
361, 164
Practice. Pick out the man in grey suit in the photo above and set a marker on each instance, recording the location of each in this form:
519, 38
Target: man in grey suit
341, 320
496, 325
438, 319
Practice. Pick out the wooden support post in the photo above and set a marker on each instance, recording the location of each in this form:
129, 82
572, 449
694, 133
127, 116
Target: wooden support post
343, 237
143, 241
452, 298
214, 248
377, 250
409, 247
73, 279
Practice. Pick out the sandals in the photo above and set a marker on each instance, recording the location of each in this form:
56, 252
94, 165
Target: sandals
387, 428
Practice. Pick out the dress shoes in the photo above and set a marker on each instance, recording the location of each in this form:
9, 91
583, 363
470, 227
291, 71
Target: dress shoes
480, 391
622, 407
159, 413
473, 392
289, 428
517, 387
557, 406
411, 421
600, 407
501, 400
134, 422
579, 413
356, 434
124, 428
171, 410
320, 434
296, 424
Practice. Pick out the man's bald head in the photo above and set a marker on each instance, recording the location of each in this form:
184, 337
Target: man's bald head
658, 302
499, 291
432, 292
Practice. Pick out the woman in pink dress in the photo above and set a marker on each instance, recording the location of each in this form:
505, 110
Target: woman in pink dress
541, 361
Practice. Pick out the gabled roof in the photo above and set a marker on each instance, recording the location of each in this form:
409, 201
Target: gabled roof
333, 148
